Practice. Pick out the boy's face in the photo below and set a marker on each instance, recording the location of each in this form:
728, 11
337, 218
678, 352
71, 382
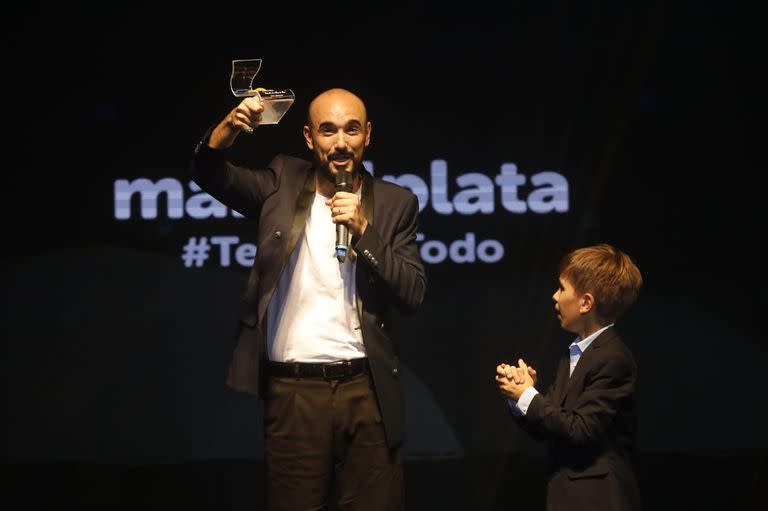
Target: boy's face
569, 305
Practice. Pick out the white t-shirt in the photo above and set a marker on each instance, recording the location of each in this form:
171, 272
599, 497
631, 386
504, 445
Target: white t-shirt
312, 316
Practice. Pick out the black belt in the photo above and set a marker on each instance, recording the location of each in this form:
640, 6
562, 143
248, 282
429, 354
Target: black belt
328, 370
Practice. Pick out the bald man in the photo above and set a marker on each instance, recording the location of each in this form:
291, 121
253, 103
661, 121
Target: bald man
314, 341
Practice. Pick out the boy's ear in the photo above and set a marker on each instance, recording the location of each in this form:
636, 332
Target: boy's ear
587, 303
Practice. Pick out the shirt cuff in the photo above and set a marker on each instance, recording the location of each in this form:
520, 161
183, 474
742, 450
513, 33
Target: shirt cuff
525, 399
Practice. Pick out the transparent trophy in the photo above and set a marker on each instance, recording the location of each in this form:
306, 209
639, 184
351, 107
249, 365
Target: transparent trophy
276, 101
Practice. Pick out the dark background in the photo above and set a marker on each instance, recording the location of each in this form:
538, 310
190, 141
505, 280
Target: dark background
114, 352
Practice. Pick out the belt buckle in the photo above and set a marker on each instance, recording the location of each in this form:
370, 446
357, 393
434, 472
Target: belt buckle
343, 365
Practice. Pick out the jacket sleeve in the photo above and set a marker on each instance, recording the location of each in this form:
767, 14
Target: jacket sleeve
533, 428
240, 188
586, 422
397, 262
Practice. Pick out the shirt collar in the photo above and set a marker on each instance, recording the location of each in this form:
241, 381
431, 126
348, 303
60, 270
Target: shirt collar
583, 343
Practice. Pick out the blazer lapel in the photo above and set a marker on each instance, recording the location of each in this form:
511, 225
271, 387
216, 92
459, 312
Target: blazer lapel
301, 211
585, 361
366, 199
367, 195
561, 380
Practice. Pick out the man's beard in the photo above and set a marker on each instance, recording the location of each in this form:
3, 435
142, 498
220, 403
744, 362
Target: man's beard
327, 168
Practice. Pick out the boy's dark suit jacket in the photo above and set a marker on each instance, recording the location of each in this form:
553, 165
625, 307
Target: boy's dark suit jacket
389, 270
590, 421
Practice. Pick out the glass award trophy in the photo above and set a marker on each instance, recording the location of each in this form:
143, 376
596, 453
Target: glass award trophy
276, 101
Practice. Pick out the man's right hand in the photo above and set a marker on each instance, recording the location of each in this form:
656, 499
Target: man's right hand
244, 117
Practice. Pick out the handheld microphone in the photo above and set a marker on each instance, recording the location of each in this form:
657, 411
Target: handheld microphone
343, 184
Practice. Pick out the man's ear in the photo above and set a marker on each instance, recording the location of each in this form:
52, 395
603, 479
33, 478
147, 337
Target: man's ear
587, 303
308, 137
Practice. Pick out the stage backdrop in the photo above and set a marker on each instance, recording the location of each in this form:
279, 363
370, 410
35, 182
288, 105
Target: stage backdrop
524, 133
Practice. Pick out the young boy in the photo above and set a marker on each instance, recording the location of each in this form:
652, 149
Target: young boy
588, 414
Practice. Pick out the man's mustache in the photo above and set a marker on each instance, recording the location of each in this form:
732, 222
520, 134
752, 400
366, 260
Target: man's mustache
341, 156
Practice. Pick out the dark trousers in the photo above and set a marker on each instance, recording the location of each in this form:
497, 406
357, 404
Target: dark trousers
325, 440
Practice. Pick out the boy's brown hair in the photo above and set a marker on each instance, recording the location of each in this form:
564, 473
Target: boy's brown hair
607, 273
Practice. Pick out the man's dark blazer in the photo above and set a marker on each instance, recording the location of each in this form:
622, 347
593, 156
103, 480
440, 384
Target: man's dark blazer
590, 421
389, 271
